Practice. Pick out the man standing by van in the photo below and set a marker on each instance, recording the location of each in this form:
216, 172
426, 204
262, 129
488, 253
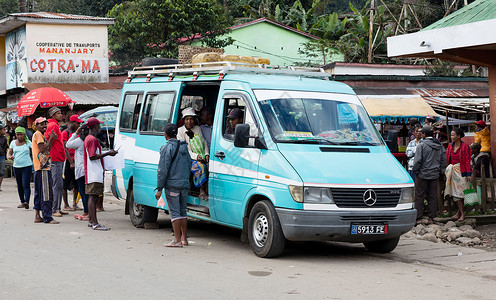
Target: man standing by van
57, 154
429, 164
173, 176
94, 170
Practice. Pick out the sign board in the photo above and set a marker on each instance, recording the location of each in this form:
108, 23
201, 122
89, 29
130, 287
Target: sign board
62, 53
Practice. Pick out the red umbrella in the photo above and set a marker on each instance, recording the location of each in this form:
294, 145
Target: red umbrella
45, 97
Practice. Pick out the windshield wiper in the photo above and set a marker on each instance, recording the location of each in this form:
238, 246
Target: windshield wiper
302, 141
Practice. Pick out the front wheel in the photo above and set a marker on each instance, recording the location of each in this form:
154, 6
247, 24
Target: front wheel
264, 230
382, 246
141, 214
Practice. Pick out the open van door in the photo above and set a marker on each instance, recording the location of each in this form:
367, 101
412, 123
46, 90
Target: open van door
233, 170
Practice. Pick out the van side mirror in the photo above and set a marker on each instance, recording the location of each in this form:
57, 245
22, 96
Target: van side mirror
241, 135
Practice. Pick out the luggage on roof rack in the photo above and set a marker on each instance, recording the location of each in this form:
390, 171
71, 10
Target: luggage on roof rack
226, 67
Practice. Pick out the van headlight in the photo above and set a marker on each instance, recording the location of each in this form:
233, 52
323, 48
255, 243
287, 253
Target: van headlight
296, 193
317, 195
406, 195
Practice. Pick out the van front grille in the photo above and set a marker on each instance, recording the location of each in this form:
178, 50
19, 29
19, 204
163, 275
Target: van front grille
353, 198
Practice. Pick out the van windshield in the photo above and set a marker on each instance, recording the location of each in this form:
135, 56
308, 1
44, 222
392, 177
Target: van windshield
322, 121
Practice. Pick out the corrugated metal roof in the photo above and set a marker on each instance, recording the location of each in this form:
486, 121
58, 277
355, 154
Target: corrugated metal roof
51, 15
453, 93
476, 11
100, 97
439, 101
75, 86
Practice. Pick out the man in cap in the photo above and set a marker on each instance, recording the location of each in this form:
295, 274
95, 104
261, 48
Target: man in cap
43, 184
3, 152
69, 171
429, 165
234, 118
94, 170
57, 155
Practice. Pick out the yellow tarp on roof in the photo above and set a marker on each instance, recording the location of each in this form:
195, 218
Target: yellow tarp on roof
397, 108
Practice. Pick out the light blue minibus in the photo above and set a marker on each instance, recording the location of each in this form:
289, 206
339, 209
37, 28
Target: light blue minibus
306, 164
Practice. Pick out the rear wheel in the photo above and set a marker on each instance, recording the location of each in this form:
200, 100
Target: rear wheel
141, 214
264, 230
382, 246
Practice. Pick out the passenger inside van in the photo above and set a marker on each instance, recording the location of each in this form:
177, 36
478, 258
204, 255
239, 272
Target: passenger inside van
207, 120
198, 149
234, 118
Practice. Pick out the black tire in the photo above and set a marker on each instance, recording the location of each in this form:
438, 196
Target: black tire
141, 214
264, 230
382, 246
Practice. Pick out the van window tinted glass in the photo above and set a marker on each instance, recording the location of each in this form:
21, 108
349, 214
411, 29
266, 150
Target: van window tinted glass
297, 120
157, 112
130, 111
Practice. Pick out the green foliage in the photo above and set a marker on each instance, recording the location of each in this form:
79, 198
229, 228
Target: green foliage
8, 7
98, 8
439, 68
350, 36
153, 27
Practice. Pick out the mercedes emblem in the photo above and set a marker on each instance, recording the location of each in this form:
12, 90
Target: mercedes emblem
369, 197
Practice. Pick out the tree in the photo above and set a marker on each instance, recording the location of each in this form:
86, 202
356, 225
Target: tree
96, 8
155, 27
8, 7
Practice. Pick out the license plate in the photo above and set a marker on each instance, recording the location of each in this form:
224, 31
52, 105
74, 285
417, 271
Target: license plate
369, 229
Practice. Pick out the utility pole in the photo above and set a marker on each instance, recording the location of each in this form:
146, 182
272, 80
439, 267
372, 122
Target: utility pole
23, 6
371, 29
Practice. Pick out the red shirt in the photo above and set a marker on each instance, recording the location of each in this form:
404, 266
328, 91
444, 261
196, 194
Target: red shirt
57, 152
66, 135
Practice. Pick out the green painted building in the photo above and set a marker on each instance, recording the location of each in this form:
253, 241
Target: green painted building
273, 40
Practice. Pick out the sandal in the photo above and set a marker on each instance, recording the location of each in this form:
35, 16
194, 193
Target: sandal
174, 245
184, 243
20, 205
100, 227
76, 216
90, 224
53, 222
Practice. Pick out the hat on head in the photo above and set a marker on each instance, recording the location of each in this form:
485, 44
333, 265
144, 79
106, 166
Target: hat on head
427, 130
189, 111
93, 121
171, 130
39, 120
235, 114
75, 118
430, 118
481, 123
53, 110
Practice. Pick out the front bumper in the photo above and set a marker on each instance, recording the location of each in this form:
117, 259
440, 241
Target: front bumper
316, 225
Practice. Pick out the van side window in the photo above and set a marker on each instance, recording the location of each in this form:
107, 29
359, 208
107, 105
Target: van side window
236, 112
156, 112
130, 111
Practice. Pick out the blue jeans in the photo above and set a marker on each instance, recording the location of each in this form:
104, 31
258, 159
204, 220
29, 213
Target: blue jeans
410, 172
84, 197
176, 201
23, 179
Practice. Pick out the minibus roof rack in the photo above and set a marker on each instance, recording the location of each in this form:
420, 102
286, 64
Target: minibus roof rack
225, 67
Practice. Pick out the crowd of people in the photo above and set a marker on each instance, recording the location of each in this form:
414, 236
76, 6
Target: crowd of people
431, 165
58, 160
